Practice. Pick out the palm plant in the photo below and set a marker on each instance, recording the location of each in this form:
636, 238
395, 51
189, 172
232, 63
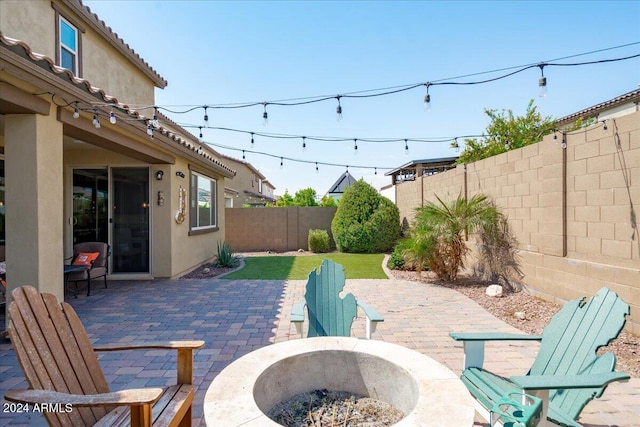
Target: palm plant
440, 230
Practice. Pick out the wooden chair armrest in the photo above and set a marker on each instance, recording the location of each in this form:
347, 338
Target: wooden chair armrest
184, 348
149, 345
297, 315
493, 336
373, 318
550, 382
473, 344
142, 396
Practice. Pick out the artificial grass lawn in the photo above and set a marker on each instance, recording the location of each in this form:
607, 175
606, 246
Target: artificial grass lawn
356, 266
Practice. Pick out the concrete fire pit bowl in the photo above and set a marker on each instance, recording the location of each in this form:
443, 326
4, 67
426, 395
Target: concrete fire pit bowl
427, 392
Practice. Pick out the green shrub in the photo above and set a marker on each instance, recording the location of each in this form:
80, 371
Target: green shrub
396, 260
365, 221
226, 257
318, 241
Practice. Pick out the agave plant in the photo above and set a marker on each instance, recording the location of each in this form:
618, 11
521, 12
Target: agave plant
440, 229
226, 257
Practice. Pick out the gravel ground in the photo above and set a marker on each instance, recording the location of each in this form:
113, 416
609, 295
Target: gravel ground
537, 314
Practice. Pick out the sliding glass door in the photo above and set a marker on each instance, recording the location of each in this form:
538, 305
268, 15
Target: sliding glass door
90, 203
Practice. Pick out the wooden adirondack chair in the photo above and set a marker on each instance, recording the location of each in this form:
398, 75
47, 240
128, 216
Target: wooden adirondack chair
330, 315
567, 374
62, 370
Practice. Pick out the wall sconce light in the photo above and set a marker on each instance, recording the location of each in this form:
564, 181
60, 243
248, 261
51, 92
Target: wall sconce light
159, 175
180, 174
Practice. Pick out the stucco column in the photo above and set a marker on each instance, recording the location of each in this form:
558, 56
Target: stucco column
34, 202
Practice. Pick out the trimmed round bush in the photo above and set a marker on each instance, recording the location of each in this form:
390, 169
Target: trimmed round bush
365, 221
318, 241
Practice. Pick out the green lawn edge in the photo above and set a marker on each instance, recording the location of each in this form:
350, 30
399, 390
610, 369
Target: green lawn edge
356, 266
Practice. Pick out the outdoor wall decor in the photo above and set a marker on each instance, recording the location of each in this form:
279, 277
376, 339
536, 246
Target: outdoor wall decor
182, 205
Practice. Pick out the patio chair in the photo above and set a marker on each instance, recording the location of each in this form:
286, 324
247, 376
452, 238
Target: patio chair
566, 374
62, 370
330, 315
98, 267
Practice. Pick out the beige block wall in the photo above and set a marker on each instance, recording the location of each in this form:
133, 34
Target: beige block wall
275, 229
567, 249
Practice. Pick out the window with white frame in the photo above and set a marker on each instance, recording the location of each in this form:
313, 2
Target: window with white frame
203, 202
68, 46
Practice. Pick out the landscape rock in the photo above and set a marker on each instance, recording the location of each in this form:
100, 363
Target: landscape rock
206, 270
494, 291
520, 315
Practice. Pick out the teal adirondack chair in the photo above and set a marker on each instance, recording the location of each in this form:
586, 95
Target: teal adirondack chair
566, 374
330, 315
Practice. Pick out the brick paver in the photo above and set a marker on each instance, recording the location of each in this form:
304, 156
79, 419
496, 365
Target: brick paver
236, 317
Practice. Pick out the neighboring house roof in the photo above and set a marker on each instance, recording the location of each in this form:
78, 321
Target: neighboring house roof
435, 165
247, 164
114, 40
345, 181
594, 111
260, 196
193, 146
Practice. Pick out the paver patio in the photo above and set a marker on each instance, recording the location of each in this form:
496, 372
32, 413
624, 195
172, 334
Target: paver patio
236, 317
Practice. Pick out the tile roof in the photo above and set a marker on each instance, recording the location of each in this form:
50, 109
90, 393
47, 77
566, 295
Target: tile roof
23, 50
107, 32
593, 111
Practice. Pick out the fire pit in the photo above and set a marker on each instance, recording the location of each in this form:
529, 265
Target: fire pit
427, 392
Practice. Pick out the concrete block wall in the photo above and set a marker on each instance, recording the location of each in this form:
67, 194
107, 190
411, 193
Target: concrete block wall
275, 229
574, 211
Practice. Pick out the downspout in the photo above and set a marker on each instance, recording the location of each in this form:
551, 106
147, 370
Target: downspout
564, 194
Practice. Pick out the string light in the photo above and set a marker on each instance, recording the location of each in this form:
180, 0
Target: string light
96, 121
317, 170
455, 145
338, 110
200, 129
252, 141
564, 140
206, 116
375, 171
265, 115
281, 163
507, 144
112, 117
199, 150
542, 82
427, 98
304, 143
243, 157
406, 147
604, 125
76, 111
355, 146
155, 117
150, 130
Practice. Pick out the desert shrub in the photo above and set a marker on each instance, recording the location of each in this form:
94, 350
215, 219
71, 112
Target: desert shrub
440, 230
226, 257
365, 221
318, 241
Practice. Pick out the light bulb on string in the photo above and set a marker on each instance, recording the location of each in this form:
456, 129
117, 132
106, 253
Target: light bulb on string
155, 117
355, 146
96, 120
427, 98
76, 111
555, 136
542, 82
455, 145
200, 150
206, 117
281, 163
304, 143
317, 170
564, 140
406, 147
338, 110
150, 130
375, 171
243, 157
252, 141
507, 145
200, 129
112, 118
265, 115
604, 126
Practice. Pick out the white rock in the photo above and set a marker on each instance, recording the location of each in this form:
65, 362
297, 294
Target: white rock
520, 315
494, 291
300, 250
206, 270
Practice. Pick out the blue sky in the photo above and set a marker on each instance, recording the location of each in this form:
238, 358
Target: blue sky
225, 52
